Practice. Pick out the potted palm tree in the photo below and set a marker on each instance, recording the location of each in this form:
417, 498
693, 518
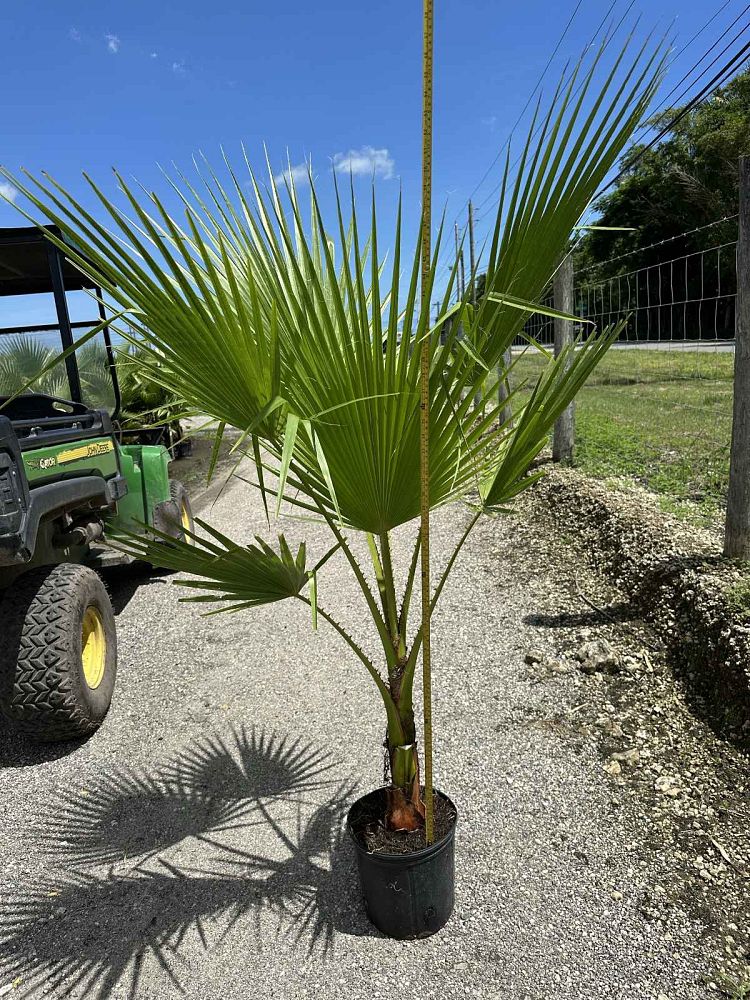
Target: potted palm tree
301, 333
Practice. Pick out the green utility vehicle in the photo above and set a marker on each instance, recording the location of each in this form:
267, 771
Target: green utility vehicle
66, 480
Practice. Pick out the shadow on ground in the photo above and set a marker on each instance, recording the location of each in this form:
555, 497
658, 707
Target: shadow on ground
17, 750
261, 819
123, 582
615, 613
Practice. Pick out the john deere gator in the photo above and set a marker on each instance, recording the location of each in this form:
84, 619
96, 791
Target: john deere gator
66, 481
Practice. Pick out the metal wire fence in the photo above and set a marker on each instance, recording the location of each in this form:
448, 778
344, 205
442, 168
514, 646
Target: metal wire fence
659, 407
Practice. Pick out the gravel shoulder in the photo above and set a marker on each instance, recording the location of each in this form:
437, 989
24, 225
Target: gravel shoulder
195, 844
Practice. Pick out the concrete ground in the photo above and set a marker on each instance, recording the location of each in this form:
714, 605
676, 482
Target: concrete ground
194, 845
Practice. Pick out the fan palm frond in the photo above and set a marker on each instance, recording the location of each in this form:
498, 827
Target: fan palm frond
302, 334
245, 576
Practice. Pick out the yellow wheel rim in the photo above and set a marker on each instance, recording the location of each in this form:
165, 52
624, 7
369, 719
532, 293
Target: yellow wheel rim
93, 647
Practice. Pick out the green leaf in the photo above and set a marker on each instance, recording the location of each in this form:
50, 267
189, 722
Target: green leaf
290, 435
537, 307
240, 575
264, 316
215, 450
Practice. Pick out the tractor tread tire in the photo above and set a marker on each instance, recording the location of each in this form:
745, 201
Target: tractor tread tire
41, 687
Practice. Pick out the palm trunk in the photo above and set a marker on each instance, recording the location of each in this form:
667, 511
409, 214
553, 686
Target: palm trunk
405, 809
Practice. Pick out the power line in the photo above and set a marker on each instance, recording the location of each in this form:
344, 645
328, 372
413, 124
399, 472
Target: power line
539, 82
566, 78
692, 69
531, 96
705, 54
714, 84
703, 27
724, 73
721, 77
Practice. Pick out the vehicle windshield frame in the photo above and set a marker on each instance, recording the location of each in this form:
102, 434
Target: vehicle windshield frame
59, 276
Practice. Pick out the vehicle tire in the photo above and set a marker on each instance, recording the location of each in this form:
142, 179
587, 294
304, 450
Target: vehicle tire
58, 652
179, 495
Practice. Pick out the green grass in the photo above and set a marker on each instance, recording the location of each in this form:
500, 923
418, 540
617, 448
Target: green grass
662, 418
738, 596
733, 989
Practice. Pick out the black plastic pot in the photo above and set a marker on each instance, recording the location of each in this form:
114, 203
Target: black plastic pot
406, 895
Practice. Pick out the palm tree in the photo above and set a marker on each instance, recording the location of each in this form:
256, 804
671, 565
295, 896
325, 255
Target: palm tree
299, 333
22, 358
27, 365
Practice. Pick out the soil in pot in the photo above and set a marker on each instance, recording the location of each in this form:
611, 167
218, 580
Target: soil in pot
367, 823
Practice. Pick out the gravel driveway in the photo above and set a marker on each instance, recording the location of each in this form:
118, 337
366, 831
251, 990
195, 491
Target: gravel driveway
194, 844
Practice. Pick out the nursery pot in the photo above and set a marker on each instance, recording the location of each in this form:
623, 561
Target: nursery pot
406, 895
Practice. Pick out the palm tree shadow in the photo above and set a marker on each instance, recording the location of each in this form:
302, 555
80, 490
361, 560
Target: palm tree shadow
273, 861
213, 785
252, 765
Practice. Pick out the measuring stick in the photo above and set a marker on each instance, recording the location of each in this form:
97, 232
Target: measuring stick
424, 423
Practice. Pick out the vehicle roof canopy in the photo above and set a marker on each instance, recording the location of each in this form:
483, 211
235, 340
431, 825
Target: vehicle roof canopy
24, 263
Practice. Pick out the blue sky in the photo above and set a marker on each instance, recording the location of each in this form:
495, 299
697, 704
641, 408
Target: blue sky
92, 85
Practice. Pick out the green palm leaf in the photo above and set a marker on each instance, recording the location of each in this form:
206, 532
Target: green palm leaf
298, 334
22, 357
243, 576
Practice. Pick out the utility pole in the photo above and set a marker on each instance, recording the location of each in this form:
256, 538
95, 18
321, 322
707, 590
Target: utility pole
473, 280
563, 435
472, 257
459, 281
459, 261
737, 528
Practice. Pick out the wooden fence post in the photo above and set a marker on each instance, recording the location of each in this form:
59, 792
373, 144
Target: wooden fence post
737, 528
563, 436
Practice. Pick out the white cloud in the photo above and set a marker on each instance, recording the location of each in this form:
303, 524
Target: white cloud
297, 174
74, 35
154, 55
366, 161
113, 44
179, 67
8, 191
490, 122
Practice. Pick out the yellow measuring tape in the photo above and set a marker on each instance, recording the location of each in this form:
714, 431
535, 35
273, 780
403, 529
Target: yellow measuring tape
424, 425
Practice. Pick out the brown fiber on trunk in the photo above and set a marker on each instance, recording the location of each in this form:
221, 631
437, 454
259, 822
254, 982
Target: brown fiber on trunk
405, 811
